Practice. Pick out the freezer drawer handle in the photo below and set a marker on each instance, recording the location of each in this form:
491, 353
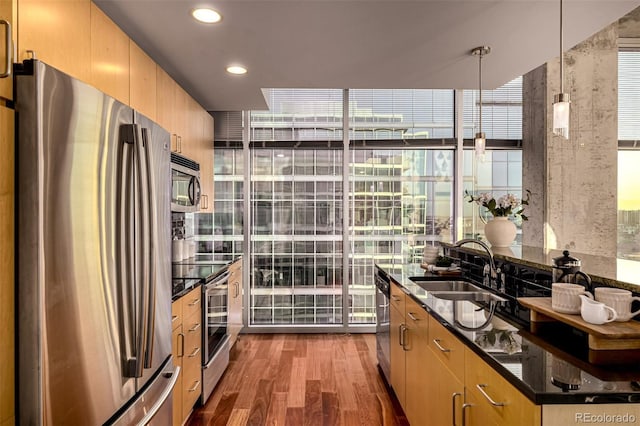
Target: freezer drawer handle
163, 396
8, 59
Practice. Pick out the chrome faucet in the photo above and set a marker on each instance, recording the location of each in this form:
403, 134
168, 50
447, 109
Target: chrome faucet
493, 270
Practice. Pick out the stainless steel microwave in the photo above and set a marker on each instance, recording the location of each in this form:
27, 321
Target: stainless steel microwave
185, 184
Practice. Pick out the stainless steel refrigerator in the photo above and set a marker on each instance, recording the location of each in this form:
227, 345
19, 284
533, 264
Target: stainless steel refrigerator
93, 256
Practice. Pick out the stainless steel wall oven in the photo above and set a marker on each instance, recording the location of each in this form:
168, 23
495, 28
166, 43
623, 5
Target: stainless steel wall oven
215, 339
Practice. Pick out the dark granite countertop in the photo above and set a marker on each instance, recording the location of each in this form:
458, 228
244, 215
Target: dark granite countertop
614, 272
528, 362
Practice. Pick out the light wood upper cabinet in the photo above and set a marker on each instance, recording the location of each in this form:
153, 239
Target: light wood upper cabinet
165, 102
59, 32
142, 84
207, 160
7, 206
109, 56
7, 12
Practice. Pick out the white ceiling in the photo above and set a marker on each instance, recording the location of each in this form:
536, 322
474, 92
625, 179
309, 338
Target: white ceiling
352, 43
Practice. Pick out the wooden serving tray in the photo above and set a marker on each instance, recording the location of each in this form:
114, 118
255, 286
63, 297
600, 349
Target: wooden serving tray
610, 336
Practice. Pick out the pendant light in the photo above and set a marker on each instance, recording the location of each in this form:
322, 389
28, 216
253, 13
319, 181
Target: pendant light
480, 141
561, 100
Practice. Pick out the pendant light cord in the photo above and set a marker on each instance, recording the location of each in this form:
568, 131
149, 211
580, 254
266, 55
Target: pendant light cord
480, 86
561, 52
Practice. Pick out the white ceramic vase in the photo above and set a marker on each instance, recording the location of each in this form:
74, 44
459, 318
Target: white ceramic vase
500, 231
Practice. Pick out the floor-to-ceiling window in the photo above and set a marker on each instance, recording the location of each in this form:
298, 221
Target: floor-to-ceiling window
499, 170
629, 154
399, 179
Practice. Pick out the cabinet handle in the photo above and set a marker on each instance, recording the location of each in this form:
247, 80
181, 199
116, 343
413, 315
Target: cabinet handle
9, 60
179, 143
395, 298
413, 318
437, 343
453, 407
404, 340
464, 413
195, 386
174, 318
400, 335
195, 302
181, 354
195, 327
237, 289
194, 353
205, 198
481, 387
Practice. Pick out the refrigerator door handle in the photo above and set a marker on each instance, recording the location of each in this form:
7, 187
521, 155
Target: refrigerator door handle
150, 259
126, 261
142, 245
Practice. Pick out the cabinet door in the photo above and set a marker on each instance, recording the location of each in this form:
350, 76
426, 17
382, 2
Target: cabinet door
417, 366
180, 123
397, 355
177, 337
7, 8
234, 319
165, 104
109, 56
192, 362
205, 158
7, 207
443, 393
142, 86
59, 32
486, 385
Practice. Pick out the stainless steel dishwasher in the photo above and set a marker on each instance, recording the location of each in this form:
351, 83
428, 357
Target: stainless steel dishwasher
383, 344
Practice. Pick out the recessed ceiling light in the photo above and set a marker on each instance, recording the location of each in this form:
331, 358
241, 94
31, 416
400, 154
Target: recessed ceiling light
236, 69
208, 16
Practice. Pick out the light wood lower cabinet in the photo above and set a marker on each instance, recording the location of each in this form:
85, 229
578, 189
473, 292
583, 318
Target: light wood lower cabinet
187, 353
439, 380
417, 367
397, 353
234, 302
495, 401
7, 273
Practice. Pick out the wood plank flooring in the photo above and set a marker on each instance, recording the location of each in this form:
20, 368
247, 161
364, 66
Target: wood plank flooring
301, 380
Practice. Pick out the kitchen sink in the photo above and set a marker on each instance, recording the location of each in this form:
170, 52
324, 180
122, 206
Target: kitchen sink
438, 286
472, 296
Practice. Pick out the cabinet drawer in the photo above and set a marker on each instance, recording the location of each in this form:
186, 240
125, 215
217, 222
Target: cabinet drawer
397, 297
176, 314
447, 348
192, 341
485, 384
191, 302
417, 319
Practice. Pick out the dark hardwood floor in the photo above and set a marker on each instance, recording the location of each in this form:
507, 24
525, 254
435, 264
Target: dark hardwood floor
301, 379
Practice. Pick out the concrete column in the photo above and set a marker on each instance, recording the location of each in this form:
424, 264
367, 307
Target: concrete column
574, 182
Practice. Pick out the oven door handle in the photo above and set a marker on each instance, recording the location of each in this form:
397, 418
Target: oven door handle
219, 280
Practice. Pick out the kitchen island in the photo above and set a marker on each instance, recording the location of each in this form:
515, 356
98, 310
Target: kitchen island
504, 374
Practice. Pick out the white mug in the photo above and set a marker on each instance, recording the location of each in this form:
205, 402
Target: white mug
618, 299
596, 312
565, 297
